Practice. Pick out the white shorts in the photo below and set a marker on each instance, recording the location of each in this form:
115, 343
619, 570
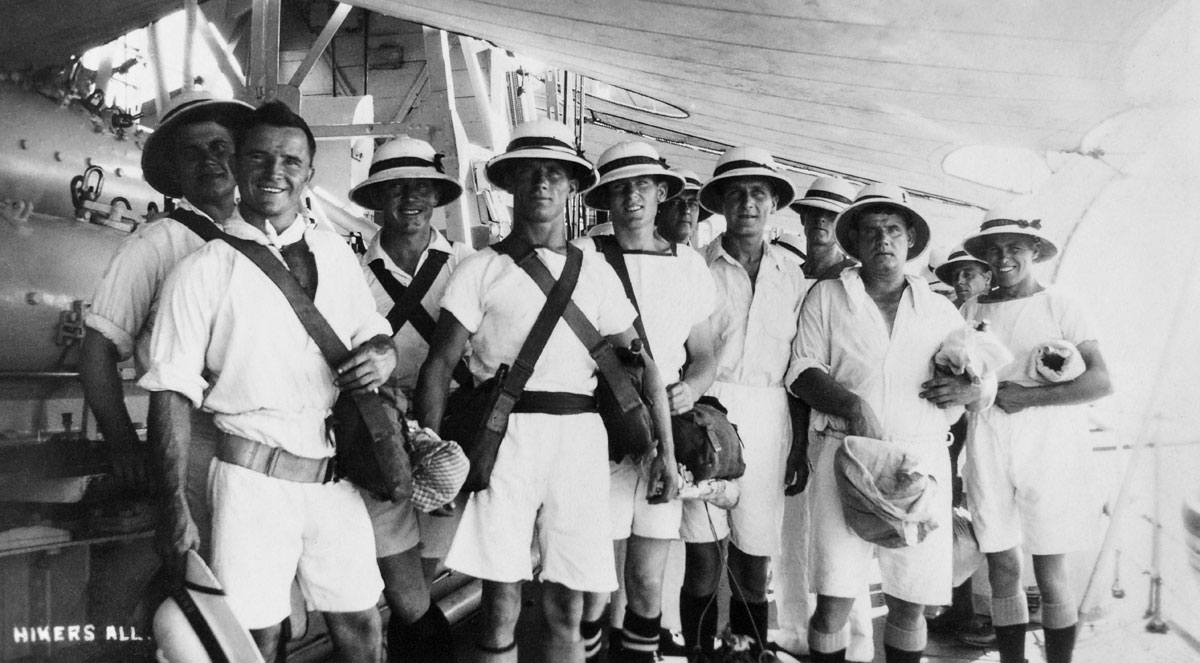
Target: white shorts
841, 561
1027, 480
438, 531
629, 510
395, 525
553, 471
268, 531
762, 419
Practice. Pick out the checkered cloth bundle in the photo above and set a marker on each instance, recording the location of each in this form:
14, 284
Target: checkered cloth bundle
439, 468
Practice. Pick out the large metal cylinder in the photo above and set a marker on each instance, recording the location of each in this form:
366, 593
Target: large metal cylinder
46, 265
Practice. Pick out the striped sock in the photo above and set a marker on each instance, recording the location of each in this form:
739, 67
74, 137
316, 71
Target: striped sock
591, 632
639, 638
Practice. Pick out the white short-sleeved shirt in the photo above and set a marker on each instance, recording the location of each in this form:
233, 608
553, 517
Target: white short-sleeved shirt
412, 348
843, 332
1023, 324
126, 299
223, 318
755, 324
497, 302
675, 292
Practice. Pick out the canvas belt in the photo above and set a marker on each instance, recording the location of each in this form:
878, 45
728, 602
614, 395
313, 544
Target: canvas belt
274, 462
554, 402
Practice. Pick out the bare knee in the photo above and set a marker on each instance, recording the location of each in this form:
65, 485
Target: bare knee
501, 609
644, 567
356, 636
904, 614
404, 585
831, 613
1004, 572
563, 608
1052, 578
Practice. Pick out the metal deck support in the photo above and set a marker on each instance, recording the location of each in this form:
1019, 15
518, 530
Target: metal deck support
318, 47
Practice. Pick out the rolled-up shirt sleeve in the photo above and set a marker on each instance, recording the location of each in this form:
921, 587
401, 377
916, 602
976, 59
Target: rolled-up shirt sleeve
125, 294
464, 291
182, 329
811, 347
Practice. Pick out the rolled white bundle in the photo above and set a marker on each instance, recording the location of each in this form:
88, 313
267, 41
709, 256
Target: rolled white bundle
973, 350
1056, 361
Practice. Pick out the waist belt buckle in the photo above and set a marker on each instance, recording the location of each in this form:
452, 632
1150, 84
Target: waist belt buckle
273, 457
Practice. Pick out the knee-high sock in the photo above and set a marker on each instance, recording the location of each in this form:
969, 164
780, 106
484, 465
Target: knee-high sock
1010, 616
427, 639
749, 619
903, 645
1060, 643
698, 618
591, 632
639, 638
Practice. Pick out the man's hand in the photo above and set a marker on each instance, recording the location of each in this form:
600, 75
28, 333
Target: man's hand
681, 397
864, 423
797, 471
369, 366
950, 390
176, 535
667, 476
129, 464
1012, 397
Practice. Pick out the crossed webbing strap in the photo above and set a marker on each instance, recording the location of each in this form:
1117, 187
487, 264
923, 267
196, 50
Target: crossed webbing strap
407, 306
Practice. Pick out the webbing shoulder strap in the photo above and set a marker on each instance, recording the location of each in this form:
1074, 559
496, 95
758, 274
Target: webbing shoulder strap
615, 256
407, 303
558, 298
203, 227
407, 300
370, 405
598, 347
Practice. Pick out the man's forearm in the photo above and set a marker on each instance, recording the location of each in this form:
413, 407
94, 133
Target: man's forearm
660, 409
821, 392
433, 384
799, 413
170, 431
104, 390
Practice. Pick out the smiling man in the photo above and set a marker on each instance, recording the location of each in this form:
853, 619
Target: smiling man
407, 266
1027, 457
759, 291
188, 158
674, 295
551, 469
863, 365
277, 514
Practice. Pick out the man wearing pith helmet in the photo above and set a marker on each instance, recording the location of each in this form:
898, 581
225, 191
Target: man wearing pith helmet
679, 217
863, 365
1025, 472
553, 461
673, 293
759, 291
968, 275
188, 158
406, 184
825, 198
